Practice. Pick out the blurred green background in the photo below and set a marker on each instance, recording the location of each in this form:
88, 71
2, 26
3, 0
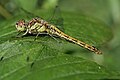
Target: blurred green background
107, 11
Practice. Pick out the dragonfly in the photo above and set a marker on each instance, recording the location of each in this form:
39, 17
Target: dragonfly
38, 26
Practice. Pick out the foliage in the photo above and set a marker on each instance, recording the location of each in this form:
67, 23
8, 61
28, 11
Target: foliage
45, 58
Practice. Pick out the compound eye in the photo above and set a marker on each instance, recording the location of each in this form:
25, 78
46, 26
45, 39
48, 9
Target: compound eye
16, 23
20, 23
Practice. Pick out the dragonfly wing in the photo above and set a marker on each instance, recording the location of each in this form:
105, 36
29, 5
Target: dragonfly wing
29, 15
56, 18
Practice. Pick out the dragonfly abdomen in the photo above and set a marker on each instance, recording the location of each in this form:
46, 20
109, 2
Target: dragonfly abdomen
59, 33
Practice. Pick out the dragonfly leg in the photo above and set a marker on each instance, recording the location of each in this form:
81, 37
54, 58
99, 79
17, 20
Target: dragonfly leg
38, 35
54, 38
25, 32
18, 34
46, 34
22, 34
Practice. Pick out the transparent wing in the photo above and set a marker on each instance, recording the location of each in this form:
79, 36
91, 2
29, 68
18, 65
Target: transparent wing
56, 18
28, 14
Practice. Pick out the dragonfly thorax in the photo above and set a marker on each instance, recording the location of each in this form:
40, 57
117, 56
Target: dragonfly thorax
37, 28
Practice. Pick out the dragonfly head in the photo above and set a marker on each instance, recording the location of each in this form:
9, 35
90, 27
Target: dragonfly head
21, 26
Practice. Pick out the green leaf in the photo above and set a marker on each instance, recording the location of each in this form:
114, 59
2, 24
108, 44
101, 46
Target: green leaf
45, 58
